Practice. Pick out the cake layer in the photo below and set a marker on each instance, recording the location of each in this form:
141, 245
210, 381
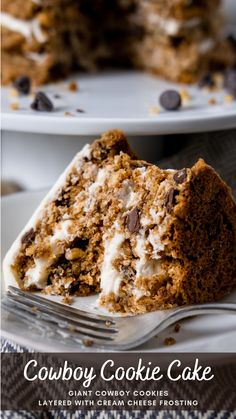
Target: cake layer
146, 238
186, 62
40, 67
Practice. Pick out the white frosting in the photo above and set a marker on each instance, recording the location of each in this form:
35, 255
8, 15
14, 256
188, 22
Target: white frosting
51, 195
61, 232
37, 275
206, 45
86, 152
170, 170
100, 179
27, 28
172, 26
66, 282
138, 293
127, 195
156, 216
110, 277
91, 171
35, 56
142, 171
156, 242
144, 266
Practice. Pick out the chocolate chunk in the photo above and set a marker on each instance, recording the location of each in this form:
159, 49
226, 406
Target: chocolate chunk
230, 81
132, 221
80, 110
232, 41
22, 85
206, 81
170, 100
176, 41
62, 202
28, 237
180, 176
170, 200
80, 243
42, 103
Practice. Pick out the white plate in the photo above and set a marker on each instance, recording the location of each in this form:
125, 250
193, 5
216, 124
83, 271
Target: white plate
118, 100
200, 334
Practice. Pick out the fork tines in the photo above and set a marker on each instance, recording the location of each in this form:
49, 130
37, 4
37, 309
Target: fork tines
79, 324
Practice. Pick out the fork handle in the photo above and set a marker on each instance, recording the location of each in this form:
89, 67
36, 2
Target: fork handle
199, 309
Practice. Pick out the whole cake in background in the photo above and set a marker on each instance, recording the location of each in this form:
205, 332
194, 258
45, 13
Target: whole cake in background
142, 237
48, 39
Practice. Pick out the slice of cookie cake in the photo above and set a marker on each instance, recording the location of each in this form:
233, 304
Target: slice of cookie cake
143, 237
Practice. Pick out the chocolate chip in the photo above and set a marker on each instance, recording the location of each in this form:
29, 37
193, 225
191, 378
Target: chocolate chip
170, 200
22, 85
80, 110
42, 103
80, 243
180, 176
132, 221
170, 100
232, 41
28, 237
206, 81
176, 41
62, 202
230, 81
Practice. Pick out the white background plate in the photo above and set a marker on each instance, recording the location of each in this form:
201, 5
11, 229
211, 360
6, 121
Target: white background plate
201, 334
118, 100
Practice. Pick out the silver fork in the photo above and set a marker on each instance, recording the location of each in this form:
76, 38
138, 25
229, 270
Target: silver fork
105, 332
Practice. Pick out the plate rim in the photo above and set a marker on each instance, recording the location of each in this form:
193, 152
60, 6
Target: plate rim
131, 126
221, 116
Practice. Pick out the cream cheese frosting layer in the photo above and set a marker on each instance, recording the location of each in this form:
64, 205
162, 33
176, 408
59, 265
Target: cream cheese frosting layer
27, 28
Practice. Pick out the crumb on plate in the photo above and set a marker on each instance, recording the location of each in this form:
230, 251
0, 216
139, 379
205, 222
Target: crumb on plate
14, 106
34, 309
68, 114
177, 327
185, 96
212, 101
88, 342
67, 299
153, 110
13, 92
169, 341
228, 98
73, 86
